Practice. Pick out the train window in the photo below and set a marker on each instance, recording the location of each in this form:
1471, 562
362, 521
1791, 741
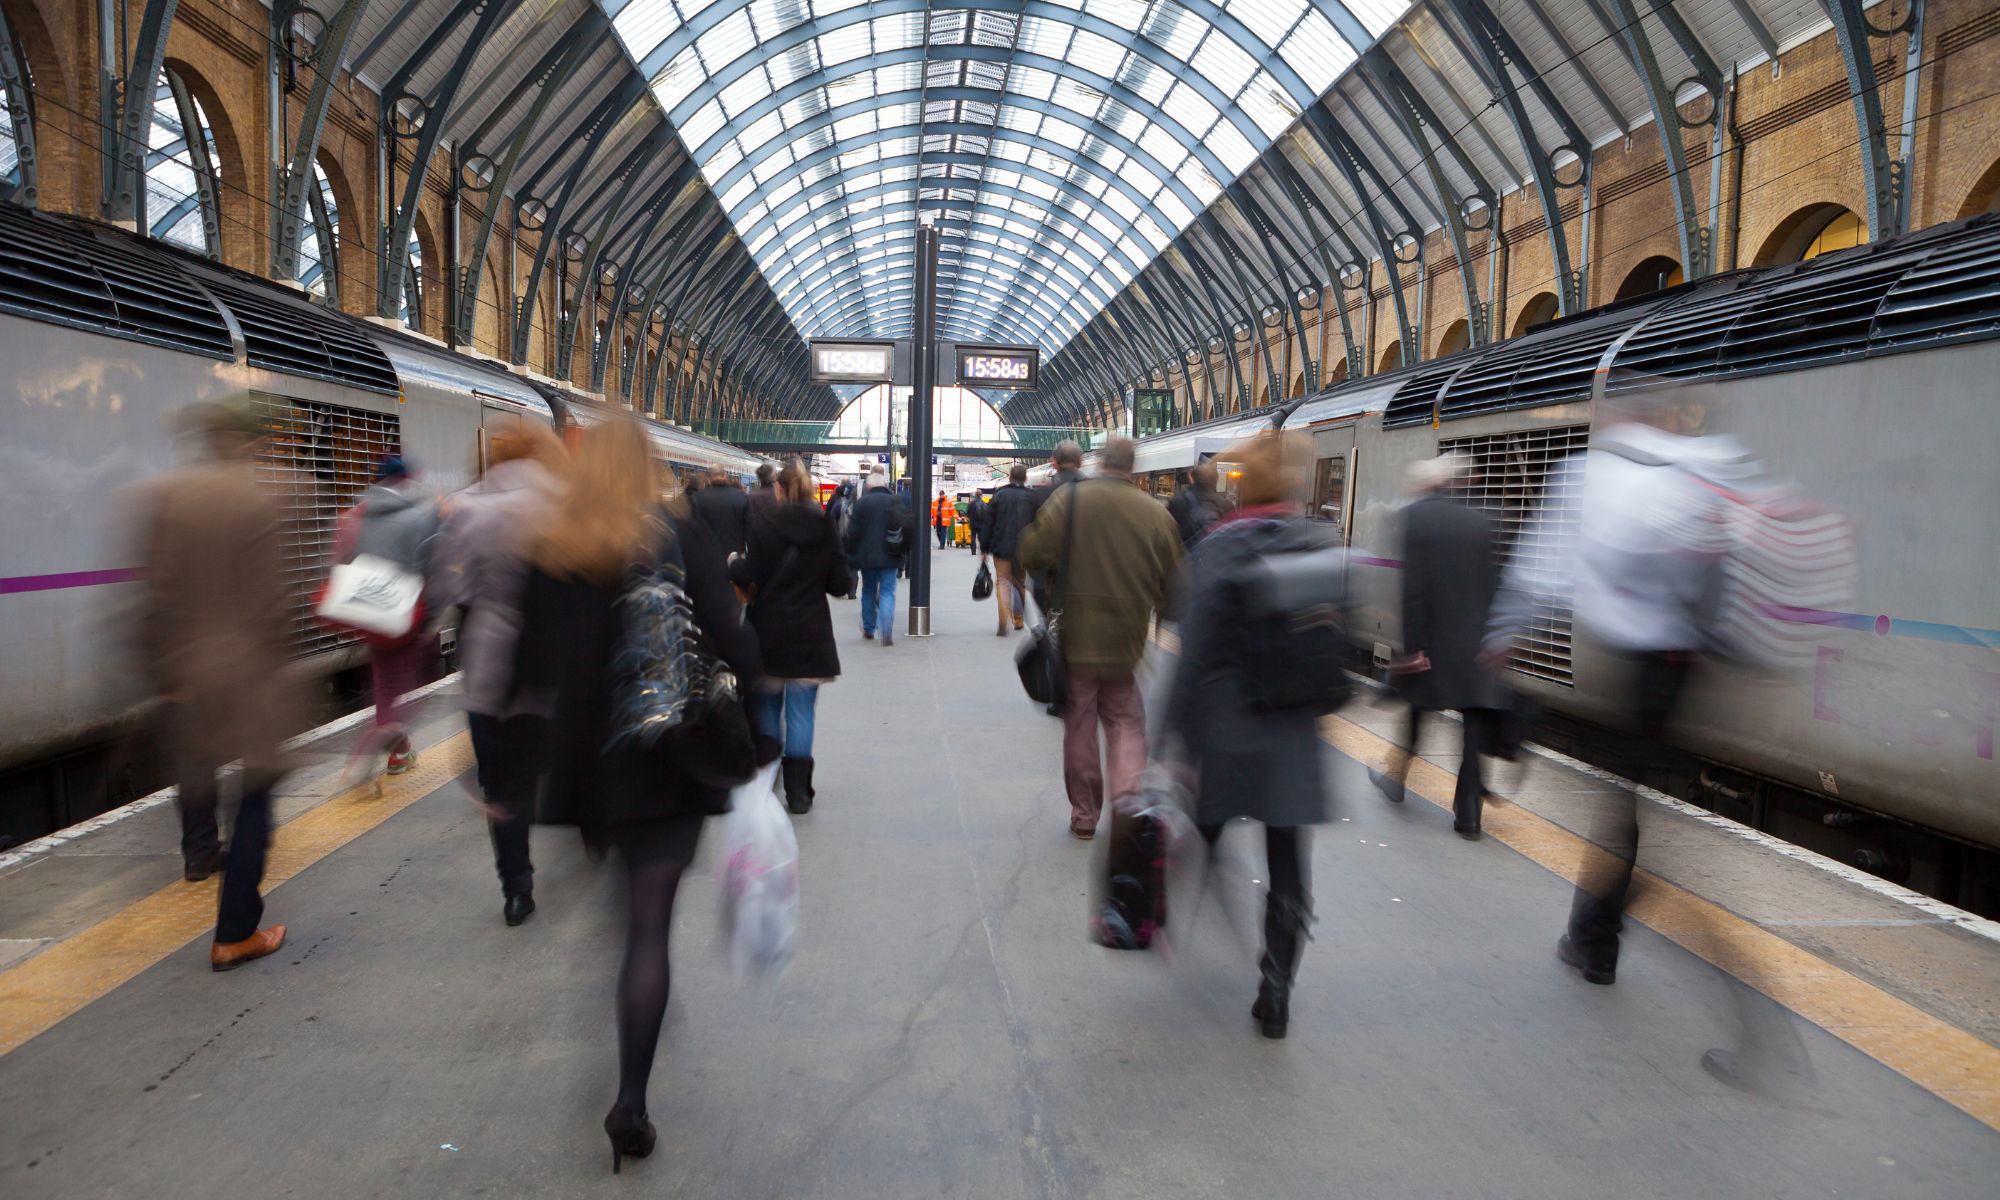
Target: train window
1329, 498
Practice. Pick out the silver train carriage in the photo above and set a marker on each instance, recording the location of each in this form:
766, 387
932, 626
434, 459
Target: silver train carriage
104, 337
1867, 377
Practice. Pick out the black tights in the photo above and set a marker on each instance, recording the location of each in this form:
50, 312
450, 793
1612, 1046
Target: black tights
654, 875
1288, 903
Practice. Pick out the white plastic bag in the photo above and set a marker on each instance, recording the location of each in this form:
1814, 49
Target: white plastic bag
760, 877
372, 594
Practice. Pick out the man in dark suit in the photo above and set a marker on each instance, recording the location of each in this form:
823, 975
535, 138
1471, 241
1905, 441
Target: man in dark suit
1451, 570
724, 507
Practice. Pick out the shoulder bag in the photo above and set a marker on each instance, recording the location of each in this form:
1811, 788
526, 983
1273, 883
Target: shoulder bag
671, 692
1040, 658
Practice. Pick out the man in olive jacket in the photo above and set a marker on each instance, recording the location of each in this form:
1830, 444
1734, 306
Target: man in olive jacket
1120, 569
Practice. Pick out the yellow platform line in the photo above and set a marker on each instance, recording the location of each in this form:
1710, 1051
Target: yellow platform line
54, 985
1946, 1061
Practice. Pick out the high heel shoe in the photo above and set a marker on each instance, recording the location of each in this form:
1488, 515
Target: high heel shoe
632, 1135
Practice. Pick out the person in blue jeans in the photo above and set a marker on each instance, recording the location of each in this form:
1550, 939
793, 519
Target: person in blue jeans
878, 535
791, 564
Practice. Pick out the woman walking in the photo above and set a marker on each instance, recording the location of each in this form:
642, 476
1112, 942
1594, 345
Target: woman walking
794, 563
1263, 764
482, 565
609, 533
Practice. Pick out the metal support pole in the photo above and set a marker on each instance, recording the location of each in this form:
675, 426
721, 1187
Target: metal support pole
923, 380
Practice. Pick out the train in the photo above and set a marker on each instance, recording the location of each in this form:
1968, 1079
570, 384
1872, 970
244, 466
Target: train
1866, 376
104, 336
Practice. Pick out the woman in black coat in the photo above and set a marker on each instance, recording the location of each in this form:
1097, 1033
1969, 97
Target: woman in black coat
793, 564
1264, 765
645, 802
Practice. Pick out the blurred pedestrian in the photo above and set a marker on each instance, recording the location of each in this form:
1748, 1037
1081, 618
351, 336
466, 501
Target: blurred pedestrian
1197, 505
215, 636
941, 518
1009, 514
977, 512
1633, 537
794, 563
482, 566
765, 494
877, 540
1067, 461
1451, 570
397, 521
1251, 760
590, 566
1120, 561
724, 507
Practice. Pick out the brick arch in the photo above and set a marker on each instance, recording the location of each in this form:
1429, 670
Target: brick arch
1985, 194
1457, 336
1392, 358
1652, 274
58, 156
353, 247
488, 330
243, 225
1338, 373
539, 336
1789, 238
1539, 310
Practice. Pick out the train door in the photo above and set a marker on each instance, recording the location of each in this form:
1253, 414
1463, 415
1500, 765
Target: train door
495, 414
1333, 478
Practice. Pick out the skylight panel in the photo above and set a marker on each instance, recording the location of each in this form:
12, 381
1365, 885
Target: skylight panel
679, 78
843, 45
1166, 149
1377, 15
1224, 63
1229, 145
739, 96
643, 24
1126, 14
698, 128
1046, 37
1270, 20
1096, 53
1189, 107
737, 193
726, 41
1174, 29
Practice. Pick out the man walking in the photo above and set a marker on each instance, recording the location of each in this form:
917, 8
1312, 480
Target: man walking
1008, 516
1197, 505
1115, 567
877, 538
1451, 569
941, 514
214, 636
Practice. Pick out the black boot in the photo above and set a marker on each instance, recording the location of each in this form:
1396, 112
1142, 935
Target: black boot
1273, 1010
798, 776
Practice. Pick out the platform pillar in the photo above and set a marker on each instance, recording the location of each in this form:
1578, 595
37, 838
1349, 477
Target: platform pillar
923, 381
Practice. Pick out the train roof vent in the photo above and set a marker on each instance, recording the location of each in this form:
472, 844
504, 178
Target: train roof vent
54, 271
1953, 294
1416, 399
1551, 368
300, 339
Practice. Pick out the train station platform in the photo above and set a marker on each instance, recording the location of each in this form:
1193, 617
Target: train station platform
947, 1030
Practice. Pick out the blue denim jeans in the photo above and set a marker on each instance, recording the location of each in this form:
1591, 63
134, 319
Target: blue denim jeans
878, 601
787, 717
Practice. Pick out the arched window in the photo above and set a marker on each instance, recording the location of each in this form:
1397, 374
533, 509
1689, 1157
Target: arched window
411, 313
1538, 311
1391, 358
1456, 337
1810, 232
182, 204
1984, 196
17, 120
319, 242
1655, 274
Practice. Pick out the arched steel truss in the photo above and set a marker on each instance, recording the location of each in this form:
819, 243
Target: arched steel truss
1149, 189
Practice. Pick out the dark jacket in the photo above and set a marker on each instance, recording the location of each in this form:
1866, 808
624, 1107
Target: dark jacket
1194, 508
1012, 510
1451, 569
794, 563
725, 509
569, 633
868, 528
1120, 569
1263, 765
1064, 476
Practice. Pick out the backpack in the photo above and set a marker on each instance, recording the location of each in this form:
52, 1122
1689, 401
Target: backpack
1292, 627
895, 523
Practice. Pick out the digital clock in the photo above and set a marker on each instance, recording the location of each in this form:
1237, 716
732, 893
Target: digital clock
853, 362
998, 366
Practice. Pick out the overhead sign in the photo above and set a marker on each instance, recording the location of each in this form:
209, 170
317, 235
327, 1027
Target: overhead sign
998, 366
853, 362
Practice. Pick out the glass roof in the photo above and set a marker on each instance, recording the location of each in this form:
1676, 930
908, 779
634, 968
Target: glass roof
1057, 145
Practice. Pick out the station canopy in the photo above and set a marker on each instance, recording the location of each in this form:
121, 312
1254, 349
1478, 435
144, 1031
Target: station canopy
1058, 148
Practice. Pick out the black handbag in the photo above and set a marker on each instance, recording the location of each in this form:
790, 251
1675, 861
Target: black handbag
673, 694
982, 583
1044, 674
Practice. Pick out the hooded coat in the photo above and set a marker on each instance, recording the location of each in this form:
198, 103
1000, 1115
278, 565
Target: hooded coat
793, 564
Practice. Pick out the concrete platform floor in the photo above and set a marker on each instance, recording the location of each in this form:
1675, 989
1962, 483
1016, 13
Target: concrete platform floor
946, 1030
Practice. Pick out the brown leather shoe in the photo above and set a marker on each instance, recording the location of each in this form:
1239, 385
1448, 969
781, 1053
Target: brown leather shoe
227, 956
